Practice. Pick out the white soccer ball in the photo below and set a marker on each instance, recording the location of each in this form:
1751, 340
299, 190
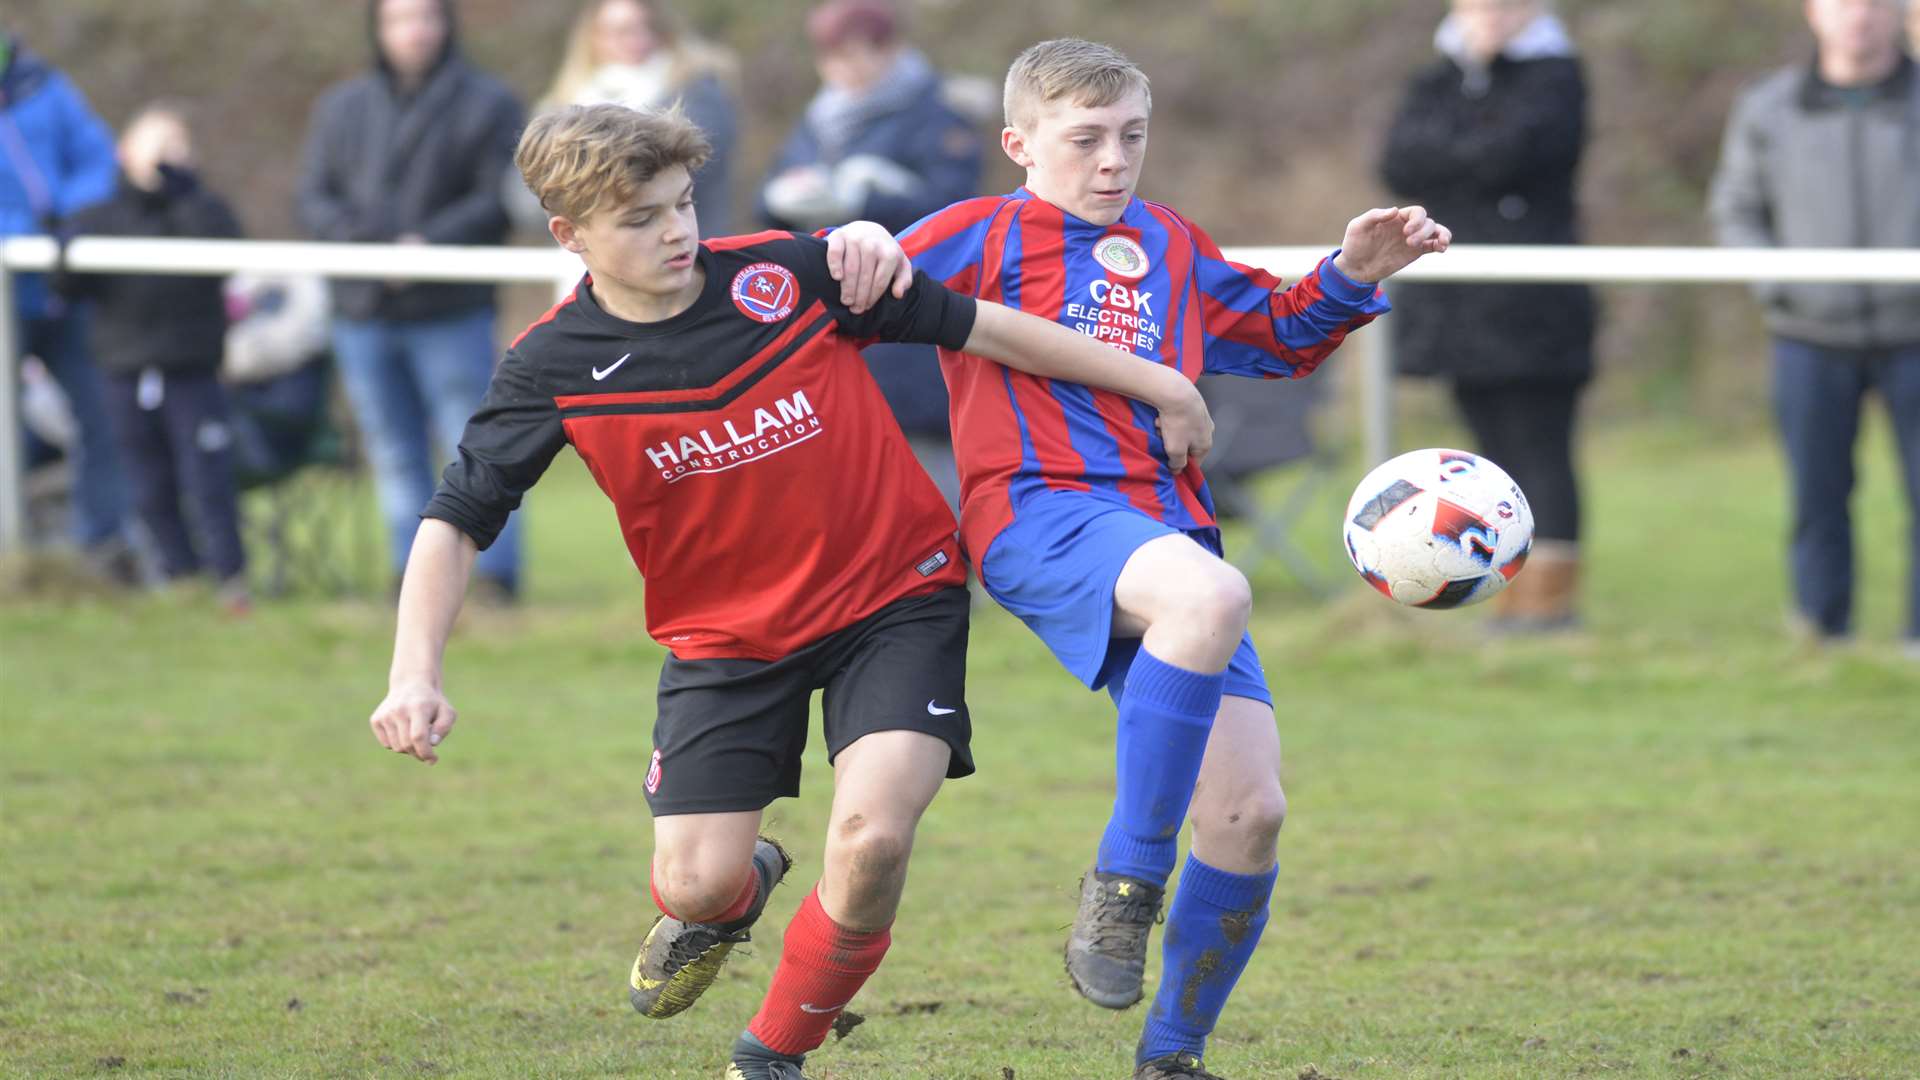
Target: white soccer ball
1438, 528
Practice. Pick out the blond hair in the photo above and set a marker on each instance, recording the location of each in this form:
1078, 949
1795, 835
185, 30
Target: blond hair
585, 158
1086, 73
692, 56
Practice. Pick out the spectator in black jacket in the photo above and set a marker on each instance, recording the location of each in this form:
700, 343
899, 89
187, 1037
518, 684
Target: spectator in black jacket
1488, 140
412, 152
159, 340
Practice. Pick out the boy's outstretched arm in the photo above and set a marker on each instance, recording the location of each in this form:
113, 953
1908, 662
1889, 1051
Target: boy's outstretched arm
1381, 243
1047, 349
416, 716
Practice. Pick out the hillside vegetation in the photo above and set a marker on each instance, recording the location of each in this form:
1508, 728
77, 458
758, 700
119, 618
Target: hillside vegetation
1268, 116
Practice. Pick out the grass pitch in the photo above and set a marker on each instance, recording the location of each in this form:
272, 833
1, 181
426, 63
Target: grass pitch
1678, 845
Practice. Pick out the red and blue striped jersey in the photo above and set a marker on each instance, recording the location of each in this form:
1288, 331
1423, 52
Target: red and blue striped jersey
1153, 284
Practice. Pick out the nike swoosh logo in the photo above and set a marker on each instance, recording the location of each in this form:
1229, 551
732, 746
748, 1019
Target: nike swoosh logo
935, 710
599, 374
818, 1011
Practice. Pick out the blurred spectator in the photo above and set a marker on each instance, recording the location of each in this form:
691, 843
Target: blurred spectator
160, 338
412, 153
1823, 155
879, 142
56, 157
1488, 139
1913, 28
640, 54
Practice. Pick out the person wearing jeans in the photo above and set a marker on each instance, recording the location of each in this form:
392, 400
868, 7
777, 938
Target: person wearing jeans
98, 492
56, 158
413, 385
1817, 394
1821, 154
413, 152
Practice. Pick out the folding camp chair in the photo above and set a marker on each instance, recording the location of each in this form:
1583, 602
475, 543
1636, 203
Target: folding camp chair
1259, 426
309, 520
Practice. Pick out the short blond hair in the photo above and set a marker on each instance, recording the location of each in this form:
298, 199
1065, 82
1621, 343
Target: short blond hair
584, 158
1086, 73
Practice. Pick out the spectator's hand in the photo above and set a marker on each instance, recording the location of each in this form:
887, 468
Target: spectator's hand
413, 719
1186, 427
804, 199
868, 263
1381, 243
410, 239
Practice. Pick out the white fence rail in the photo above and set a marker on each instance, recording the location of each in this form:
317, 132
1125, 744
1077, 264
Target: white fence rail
1466, 263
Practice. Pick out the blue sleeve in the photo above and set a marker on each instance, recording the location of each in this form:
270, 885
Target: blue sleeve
87, 166
950, 244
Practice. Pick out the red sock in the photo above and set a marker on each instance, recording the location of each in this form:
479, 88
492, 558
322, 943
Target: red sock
749, 890
822, 965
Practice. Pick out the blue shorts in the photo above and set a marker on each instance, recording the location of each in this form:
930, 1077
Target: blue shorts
1056, 566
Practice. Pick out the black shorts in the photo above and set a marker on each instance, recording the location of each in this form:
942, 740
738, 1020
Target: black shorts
730, 733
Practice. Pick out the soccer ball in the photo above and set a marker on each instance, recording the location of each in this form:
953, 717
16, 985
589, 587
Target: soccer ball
1438, 529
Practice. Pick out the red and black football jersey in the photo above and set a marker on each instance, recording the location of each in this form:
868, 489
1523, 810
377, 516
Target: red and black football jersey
763, 488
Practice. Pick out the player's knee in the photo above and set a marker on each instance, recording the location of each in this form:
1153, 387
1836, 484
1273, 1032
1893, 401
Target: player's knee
1220, 600
1250, 824
876, 859
1264, 814
691, 891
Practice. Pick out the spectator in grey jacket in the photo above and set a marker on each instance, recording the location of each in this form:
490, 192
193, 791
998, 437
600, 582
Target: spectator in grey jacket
1828, 155
412, 152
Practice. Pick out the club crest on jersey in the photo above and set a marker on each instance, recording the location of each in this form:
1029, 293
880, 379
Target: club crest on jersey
765, 292
1122, 255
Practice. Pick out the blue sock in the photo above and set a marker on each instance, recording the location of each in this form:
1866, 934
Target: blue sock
1165, 715
1212, 929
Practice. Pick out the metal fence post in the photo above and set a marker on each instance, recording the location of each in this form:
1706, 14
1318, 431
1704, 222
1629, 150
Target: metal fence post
13, 503
1376, 395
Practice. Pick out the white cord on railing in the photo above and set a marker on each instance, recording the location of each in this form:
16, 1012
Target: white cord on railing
1468, 262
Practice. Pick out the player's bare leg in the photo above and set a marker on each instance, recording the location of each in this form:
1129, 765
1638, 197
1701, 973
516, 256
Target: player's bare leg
1221, 906
1189, 608
711, 878
883, 782
1186, 604
1238, 805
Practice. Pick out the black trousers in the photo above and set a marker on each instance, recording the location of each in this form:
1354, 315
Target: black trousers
1526, 427
177, 446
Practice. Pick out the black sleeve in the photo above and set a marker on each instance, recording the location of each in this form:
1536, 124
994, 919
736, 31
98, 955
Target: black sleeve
508, 444
930, 313
205, 214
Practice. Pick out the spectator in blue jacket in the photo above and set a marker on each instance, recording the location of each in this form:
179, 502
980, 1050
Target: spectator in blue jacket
879, 142
56, 157
412, 152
